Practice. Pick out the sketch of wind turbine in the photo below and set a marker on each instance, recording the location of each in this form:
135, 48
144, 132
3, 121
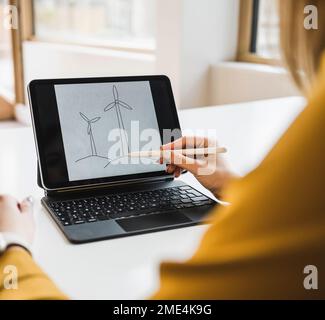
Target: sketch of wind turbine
90, 133
117, 105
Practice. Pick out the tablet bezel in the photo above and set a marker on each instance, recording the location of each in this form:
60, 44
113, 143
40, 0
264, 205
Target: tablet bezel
39, 138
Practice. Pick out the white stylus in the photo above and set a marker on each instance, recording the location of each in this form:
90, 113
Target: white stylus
185, 152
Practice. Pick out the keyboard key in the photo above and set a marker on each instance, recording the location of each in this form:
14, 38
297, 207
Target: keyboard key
179, 206
203, 198
194, 193
188, 205
203, 203
103, 218
79, 222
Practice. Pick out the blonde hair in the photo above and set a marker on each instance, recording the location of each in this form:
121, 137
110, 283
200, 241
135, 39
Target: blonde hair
302, 48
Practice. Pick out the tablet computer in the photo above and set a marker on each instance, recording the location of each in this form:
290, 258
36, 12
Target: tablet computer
77, 123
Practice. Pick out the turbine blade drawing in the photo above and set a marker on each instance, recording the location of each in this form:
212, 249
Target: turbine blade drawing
125, 105
84, 117
115, 94
110, 106
95, 120
89, 129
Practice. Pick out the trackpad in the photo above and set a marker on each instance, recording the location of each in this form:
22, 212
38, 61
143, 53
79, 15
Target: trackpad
153, 221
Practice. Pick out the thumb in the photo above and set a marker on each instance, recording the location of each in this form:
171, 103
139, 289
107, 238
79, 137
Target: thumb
26, 206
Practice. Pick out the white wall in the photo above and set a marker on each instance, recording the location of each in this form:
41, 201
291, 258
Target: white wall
48, 60
233, 82
192, 35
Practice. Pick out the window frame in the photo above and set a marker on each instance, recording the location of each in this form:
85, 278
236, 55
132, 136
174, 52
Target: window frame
247, 36
18, 56
18, 76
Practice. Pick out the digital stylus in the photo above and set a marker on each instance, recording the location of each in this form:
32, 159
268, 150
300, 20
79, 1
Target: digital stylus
185, 152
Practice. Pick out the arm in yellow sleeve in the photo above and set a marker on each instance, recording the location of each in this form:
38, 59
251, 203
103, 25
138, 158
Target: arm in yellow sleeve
32, 283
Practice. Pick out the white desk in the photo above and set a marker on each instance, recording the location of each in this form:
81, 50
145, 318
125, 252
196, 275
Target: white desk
128, 268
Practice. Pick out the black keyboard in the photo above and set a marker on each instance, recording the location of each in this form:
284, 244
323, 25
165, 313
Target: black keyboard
119, 206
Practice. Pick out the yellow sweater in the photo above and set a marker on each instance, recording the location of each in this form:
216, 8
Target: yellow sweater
259, 246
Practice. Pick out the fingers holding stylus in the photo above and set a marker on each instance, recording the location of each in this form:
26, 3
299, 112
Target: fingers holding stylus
177, 161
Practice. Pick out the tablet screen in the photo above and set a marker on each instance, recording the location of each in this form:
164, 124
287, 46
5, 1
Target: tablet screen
86, 128
101, 123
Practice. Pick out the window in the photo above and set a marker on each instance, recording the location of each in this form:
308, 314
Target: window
259, 31
7, 81
11, 72
267, 34
114, 23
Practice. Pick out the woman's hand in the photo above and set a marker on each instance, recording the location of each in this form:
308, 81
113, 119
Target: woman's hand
212, 171
17, 217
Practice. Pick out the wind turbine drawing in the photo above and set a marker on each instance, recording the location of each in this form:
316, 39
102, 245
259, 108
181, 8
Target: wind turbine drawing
117, 105
90, 122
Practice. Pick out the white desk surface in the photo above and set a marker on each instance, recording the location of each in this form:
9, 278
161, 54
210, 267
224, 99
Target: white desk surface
128, 268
